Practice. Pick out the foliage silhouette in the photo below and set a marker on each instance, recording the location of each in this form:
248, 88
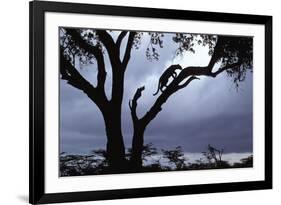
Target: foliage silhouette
175, 157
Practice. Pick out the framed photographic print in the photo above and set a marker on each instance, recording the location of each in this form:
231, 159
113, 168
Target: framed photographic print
140, 102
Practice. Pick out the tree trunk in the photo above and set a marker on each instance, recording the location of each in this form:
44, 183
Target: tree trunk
137, 148
115, 145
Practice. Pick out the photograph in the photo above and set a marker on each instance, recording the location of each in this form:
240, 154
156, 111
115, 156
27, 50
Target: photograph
130, 102
133, 101
127, 102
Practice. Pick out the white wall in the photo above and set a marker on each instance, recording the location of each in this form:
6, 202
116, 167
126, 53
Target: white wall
14, 100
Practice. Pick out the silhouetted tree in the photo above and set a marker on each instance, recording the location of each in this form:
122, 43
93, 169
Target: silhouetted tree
214, 155
235, 57
89, 46
175, 157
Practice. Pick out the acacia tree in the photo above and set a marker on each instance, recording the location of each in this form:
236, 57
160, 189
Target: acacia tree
233, 54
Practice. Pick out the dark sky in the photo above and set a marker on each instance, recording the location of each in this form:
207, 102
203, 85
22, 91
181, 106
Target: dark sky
208, 111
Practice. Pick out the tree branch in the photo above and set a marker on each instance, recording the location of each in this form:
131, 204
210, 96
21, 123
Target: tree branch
218, 50
120, 38
172, 88
204, 71
186, 83
127, 54
208, 70
230, 66
95, 50
133, 103
117, 71
111, 48
74, 78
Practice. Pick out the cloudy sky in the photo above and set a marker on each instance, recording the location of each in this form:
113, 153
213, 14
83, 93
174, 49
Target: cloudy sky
208, 111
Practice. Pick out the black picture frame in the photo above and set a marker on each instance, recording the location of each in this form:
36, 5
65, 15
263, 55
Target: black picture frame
37, 10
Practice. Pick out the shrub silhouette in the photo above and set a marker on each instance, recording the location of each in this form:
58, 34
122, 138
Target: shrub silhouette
97, 163
245, 162
175, 157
